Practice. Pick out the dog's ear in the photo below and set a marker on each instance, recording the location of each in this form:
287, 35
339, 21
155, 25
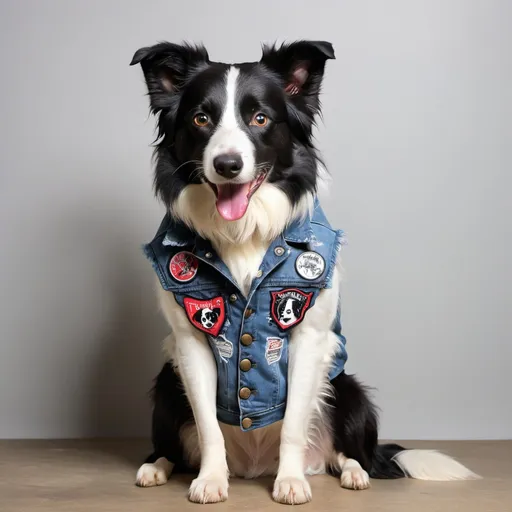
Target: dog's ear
216, 311
166, 67
301, 65
197, 315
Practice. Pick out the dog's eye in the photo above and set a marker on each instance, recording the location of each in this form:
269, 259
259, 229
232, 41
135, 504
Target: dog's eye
201, 119
259, 119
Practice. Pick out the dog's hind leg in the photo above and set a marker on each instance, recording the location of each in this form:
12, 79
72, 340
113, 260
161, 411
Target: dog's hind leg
354, 421
171, 411
354, 424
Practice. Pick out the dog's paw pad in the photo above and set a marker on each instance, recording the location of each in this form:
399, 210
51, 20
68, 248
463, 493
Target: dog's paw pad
208, 490
292, 491
355, 478
157, 473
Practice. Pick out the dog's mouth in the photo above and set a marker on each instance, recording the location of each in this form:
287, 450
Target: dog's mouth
233, 198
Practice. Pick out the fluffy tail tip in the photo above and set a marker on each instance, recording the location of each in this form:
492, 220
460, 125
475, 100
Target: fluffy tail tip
432, 465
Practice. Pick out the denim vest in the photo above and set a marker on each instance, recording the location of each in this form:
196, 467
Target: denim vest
249, 336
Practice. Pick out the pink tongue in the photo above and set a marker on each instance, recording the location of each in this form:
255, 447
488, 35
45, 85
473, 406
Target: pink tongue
232, 200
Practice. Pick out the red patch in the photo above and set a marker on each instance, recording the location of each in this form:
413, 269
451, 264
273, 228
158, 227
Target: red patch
289, 306
207, 315
183, 267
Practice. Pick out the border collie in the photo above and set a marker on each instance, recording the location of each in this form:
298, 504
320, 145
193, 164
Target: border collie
238, 173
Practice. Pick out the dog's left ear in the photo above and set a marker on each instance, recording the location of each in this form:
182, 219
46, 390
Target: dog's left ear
166, 67
217, 311
301, 65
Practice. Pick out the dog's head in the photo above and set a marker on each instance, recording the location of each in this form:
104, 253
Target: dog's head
233, 128
289, 311
207, 317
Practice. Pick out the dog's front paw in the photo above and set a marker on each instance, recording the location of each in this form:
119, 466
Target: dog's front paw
355, 478
291, 491
208, 490
153, 474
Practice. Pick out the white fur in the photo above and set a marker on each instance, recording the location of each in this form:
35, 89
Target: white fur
242, 243
432, 465
353, 476
153, 474
230, 138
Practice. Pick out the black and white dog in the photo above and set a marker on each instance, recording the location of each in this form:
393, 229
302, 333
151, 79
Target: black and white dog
236, 163
288, 311
207, 317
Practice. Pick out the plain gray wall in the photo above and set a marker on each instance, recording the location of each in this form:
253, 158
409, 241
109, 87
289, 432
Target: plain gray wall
416, 132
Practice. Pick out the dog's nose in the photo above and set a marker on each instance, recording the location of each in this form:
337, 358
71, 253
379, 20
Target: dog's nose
228, 165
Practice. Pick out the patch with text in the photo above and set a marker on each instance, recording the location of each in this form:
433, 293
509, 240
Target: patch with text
273, 350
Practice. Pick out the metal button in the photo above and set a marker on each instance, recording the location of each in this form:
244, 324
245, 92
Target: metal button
279, 251
233, 297
244, 393
247, 423
209, 255
245, 365
246, 339
259, 273
248, 312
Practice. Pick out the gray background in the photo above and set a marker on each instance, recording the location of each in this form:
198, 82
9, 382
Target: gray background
416, 132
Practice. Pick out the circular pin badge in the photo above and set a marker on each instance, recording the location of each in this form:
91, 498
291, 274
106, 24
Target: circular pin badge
310, 265
183, 267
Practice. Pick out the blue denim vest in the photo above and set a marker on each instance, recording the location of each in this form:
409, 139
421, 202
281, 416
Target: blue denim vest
249, 336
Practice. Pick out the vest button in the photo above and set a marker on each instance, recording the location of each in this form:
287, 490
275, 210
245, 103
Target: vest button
259, 273
209, 255
247, 423
279, 251
244, 393
233, 297
248, 312
245, 365
246, 339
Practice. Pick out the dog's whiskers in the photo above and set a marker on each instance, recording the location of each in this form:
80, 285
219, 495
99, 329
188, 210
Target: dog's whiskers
197, 162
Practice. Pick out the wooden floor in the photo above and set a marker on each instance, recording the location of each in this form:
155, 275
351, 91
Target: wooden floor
99, 476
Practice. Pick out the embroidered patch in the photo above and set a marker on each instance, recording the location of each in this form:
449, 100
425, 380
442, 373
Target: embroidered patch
310, 265
183, 266
224, 347
273, 350
207, 315
289, 306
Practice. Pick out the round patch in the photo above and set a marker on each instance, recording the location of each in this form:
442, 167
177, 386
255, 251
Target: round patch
183, 267
310, 265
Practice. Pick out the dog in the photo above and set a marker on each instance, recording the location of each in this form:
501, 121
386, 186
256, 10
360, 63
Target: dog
289, 311
238, 173
207, 317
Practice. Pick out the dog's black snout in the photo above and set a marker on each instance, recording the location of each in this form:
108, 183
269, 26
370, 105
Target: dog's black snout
228, 165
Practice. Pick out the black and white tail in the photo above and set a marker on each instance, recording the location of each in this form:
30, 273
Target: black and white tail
394, 461
355, 432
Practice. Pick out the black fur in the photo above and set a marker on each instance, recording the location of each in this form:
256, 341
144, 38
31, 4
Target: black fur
285, 84
171, 410
355, 423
